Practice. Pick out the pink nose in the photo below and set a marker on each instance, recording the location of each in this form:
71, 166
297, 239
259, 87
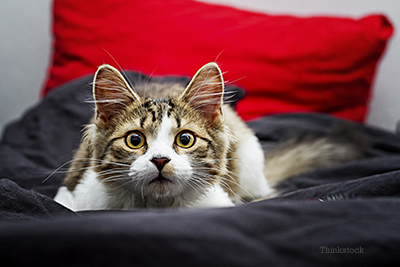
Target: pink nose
160, 162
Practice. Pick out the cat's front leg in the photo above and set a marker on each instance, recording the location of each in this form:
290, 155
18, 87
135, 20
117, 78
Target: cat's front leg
214, 196
89, 194
65, 197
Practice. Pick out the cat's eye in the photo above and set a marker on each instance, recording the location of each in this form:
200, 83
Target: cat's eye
185, 139
135, 140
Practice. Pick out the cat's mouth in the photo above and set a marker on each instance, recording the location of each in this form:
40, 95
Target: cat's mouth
160, 179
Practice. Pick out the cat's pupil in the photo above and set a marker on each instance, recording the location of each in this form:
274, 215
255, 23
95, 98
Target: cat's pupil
184, 139
136, 139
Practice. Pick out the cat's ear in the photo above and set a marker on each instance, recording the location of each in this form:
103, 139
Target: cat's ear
205, 91
112, 93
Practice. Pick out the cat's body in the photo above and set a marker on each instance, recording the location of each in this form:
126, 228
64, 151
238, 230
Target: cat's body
166, 146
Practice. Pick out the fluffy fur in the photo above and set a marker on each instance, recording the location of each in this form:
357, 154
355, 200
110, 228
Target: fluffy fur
166, 146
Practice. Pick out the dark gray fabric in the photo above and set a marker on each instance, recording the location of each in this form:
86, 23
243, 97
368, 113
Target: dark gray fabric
340, 216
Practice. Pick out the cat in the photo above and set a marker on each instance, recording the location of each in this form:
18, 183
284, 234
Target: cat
166, 146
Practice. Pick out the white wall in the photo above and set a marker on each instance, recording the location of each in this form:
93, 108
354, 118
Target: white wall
385, 104
25, 44
24, 54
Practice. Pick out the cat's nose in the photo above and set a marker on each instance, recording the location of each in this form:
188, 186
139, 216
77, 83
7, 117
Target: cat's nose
160, 162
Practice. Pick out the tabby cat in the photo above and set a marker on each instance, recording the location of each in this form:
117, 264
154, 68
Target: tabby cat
166, 146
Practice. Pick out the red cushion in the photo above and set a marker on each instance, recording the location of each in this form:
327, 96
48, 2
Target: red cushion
287, 64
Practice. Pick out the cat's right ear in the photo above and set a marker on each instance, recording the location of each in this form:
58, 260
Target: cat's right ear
112, 93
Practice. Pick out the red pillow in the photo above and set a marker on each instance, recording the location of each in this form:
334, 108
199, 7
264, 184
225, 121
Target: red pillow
286, 64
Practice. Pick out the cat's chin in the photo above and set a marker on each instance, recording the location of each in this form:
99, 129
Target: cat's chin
160, 180
161, 187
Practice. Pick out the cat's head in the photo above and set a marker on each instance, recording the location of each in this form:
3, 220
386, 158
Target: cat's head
159, 148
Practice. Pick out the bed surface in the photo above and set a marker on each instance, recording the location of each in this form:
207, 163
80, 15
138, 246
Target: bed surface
344, 215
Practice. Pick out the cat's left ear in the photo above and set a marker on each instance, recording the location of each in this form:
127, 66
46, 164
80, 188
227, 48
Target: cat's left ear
205, 91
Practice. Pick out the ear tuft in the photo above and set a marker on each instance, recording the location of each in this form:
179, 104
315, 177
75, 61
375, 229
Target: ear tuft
205, 92
111, 93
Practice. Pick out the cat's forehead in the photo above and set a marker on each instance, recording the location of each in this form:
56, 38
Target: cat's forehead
150, 115
158, 102
159, 91
156, 109
146, 117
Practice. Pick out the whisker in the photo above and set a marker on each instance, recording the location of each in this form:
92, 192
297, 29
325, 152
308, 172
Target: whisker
83, 161
48, 177
151, 75
119, 66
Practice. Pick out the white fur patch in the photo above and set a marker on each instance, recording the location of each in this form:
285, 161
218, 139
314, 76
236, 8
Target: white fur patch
89, 194
162, 145
65, 197
252, 181
214, 197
